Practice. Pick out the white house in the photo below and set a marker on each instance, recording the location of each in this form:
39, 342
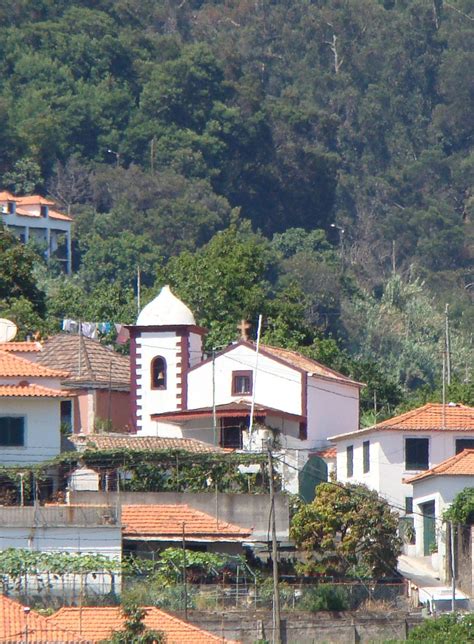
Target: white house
384, 455
433, 492
30, 410
177, 392
34, 217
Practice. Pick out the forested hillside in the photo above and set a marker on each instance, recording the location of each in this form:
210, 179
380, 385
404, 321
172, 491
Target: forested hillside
308, 160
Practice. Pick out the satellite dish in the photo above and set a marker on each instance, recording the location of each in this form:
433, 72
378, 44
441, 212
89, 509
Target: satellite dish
8, 330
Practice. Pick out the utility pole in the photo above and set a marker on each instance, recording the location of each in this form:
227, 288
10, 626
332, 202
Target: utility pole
139, 288
276, 591
444, 391
214, 413
448, 345
185, 586
453, 570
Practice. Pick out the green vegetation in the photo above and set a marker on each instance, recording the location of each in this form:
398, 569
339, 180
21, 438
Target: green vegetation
461, 510
135, 631
348, 530
309, 161
446, 628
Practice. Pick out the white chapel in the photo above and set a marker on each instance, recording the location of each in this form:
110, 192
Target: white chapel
179, 392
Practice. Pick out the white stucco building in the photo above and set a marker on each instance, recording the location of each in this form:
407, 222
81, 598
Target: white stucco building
30, 411
433, 493
385, 455
35, 218
180, 393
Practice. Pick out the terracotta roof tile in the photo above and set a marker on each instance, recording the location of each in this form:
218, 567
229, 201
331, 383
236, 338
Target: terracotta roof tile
33, 200
237, 409
307, 364
139, 443
461, 464
14, 622
12, 366
6, 196
26, 390
86, 360
98, 623
329, 452
166, 522
54, 214
20, 347
430, 417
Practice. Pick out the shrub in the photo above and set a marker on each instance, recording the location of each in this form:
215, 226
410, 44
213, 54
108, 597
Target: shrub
324, 598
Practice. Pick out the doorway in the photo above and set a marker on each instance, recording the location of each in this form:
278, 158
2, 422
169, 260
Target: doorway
429, 527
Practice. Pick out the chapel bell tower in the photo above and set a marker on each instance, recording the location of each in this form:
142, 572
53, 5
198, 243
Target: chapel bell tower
164, 343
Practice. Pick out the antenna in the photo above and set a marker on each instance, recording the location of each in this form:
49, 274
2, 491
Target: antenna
8, 330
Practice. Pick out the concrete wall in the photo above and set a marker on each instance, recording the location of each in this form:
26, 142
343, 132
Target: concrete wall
245, 510
42, 429
307, 628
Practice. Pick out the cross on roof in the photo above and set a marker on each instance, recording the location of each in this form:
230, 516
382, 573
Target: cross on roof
243, 327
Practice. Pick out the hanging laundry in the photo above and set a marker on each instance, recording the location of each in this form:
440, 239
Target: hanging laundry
71, 326
89, 330
123, 334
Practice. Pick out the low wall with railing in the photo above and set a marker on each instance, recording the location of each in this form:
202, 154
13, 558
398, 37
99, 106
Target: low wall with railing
59, 515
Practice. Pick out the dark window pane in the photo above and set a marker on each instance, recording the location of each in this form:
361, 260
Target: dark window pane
366, 448
66, 415
464, 443
231, 434
416, 454
408, 505
241, 383
12, 431
350, 460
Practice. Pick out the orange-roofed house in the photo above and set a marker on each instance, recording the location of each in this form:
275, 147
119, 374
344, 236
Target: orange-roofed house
20, 624
152, 527
98, 623
387, 455
35, 218
30, 410
433, 492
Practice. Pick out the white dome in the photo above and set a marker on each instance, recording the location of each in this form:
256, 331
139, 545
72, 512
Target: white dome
165, 310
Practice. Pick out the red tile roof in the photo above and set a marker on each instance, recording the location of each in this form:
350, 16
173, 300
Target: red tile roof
6, 196
329, 452
54, 214
98, 623
238, 409
20, 347
139, 443
33, 200
26, 390
14, 622
307, 364
86, 360
461, 464
165, 522
12, 366
430, 417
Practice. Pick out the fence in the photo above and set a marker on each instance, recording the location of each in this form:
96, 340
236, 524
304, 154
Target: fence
59, 515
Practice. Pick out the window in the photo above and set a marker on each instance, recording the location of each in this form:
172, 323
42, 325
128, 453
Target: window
464, 443
241, 383
11, 207
12, 431
66, 416
366, 451
44, 211
408, 505
158, 373
303, 435
231, 432
416, 454
350, 460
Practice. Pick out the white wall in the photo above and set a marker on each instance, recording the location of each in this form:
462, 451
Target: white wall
277, 385
388, 459
333, 408
441, 490
42, 429
98, 540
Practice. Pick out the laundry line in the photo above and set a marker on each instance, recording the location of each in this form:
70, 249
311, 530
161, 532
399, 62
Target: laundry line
94, 329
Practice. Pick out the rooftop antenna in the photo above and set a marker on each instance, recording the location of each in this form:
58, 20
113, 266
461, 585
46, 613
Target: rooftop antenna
8, 330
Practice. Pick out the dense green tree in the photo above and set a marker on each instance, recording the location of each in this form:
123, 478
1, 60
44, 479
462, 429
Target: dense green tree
347, 529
